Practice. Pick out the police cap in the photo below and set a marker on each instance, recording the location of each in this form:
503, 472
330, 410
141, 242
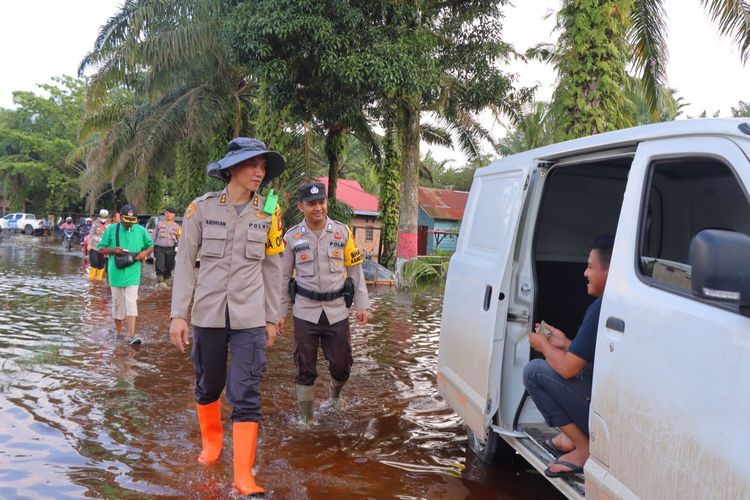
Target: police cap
313, 191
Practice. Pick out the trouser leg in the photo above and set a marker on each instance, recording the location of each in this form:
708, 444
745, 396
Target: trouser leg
169, 258
337, 348
96, 260
159, 261
248, 363
209, 355
561, 401
306, 341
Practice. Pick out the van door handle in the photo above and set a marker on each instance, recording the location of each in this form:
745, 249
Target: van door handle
616, 324
487, 297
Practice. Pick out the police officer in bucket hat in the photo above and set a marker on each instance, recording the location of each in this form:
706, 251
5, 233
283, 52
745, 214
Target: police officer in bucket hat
328, 280
235, 300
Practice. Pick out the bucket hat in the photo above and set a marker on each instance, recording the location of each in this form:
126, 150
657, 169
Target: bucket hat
240, 149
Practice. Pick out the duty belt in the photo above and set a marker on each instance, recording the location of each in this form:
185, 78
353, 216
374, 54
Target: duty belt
324, 296
347, 291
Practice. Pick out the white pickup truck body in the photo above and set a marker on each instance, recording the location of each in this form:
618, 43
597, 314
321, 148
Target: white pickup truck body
670, 407
18, 221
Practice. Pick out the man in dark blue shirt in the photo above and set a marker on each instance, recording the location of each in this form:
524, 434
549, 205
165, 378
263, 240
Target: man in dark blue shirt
560, 384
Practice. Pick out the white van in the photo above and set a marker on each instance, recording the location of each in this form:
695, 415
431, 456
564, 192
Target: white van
670, 407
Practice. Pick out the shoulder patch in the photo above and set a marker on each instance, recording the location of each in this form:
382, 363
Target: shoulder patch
190, 210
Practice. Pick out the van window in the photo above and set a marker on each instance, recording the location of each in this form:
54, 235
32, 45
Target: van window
685, 196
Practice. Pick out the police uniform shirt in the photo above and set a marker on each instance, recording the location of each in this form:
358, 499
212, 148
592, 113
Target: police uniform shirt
167, 234
240, 263
321, 264
95, 233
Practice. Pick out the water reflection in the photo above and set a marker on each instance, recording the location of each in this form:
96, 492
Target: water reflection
84, 415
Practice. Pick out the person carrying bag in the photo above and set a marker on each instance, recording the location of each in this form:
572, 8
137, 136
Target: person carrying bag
124, 268
125, 259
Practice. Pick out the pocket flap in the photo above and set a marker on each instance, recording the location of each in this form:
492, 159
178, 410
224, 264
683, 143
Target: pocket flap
257, 236
215, 233
335, 253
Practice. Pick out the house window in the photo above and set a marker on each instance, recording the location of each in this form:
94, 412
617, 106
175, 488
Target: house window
369, 234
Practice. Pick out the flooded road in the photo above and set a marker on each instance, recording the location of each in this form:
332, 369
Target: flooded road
84, 415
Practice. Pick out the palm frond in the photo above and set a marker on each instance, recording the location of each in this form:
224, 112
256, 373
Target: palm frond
436, 135
647, 38
733, 19
542, 52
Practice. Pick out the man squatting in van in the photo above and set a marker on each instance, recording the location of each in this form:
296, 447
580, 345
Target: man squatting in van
560, 384
328, 279
237, 296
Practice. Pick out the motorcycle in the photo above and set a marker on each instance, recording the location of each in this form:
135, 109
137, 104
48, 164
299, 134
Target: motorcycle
67, 241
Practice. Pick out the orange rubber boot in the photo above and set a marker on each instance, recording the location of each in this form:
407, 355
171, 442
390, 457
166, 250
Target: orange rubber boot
212, 434
244, 436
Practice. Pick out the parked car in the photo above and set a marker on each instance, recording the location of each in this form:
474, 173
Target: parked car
669, 406
28, 223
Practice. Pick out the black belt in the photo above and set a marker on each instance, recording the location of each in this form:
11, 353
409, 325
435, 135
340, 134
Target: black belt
323, 296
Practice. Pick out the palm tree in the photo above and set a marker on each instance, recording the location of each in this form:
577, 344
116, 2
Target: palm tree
165, 56
530, 130
599, 38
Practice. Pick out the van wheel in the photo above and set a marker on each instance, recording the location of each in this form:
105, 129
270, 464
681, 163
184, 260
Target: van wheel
494, 450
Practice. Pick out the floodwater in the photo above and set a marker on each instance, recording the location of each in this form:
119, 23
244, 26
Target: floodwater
85, 415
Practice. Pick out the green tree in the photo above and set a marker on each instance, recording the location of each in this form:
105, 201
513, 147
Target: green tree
592, 54
36, 140
742, 109
449, 54
172, 82
390, 183
594, 50
309, 55
531, 129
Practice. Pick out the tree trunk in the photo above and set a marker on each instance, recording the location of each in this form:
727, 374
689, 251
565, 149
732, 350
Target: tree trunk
408, 216
589, 97
390, 180
334, 148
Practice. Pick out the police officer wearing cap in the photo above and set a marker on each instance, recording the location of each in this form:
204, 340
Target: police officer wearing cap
235, 300
328, 281
165, 241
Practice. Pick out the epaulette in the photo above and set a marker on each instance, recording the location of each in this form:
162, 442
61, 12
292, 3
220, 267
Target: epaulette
210, 194
293, 228
340, 225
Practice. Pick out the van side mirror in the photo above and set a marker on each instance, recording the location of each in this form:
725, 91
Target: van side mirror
720, 263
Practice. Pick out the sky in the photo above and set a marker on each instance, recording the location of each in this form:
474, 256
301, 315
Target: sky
44, 38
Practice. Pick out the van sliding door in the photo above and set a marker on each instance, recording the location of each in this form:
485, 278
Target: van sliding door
476, 295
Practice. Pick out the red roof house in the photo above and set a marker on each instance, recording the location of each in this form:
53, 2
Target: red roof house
366, 222
350, 192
